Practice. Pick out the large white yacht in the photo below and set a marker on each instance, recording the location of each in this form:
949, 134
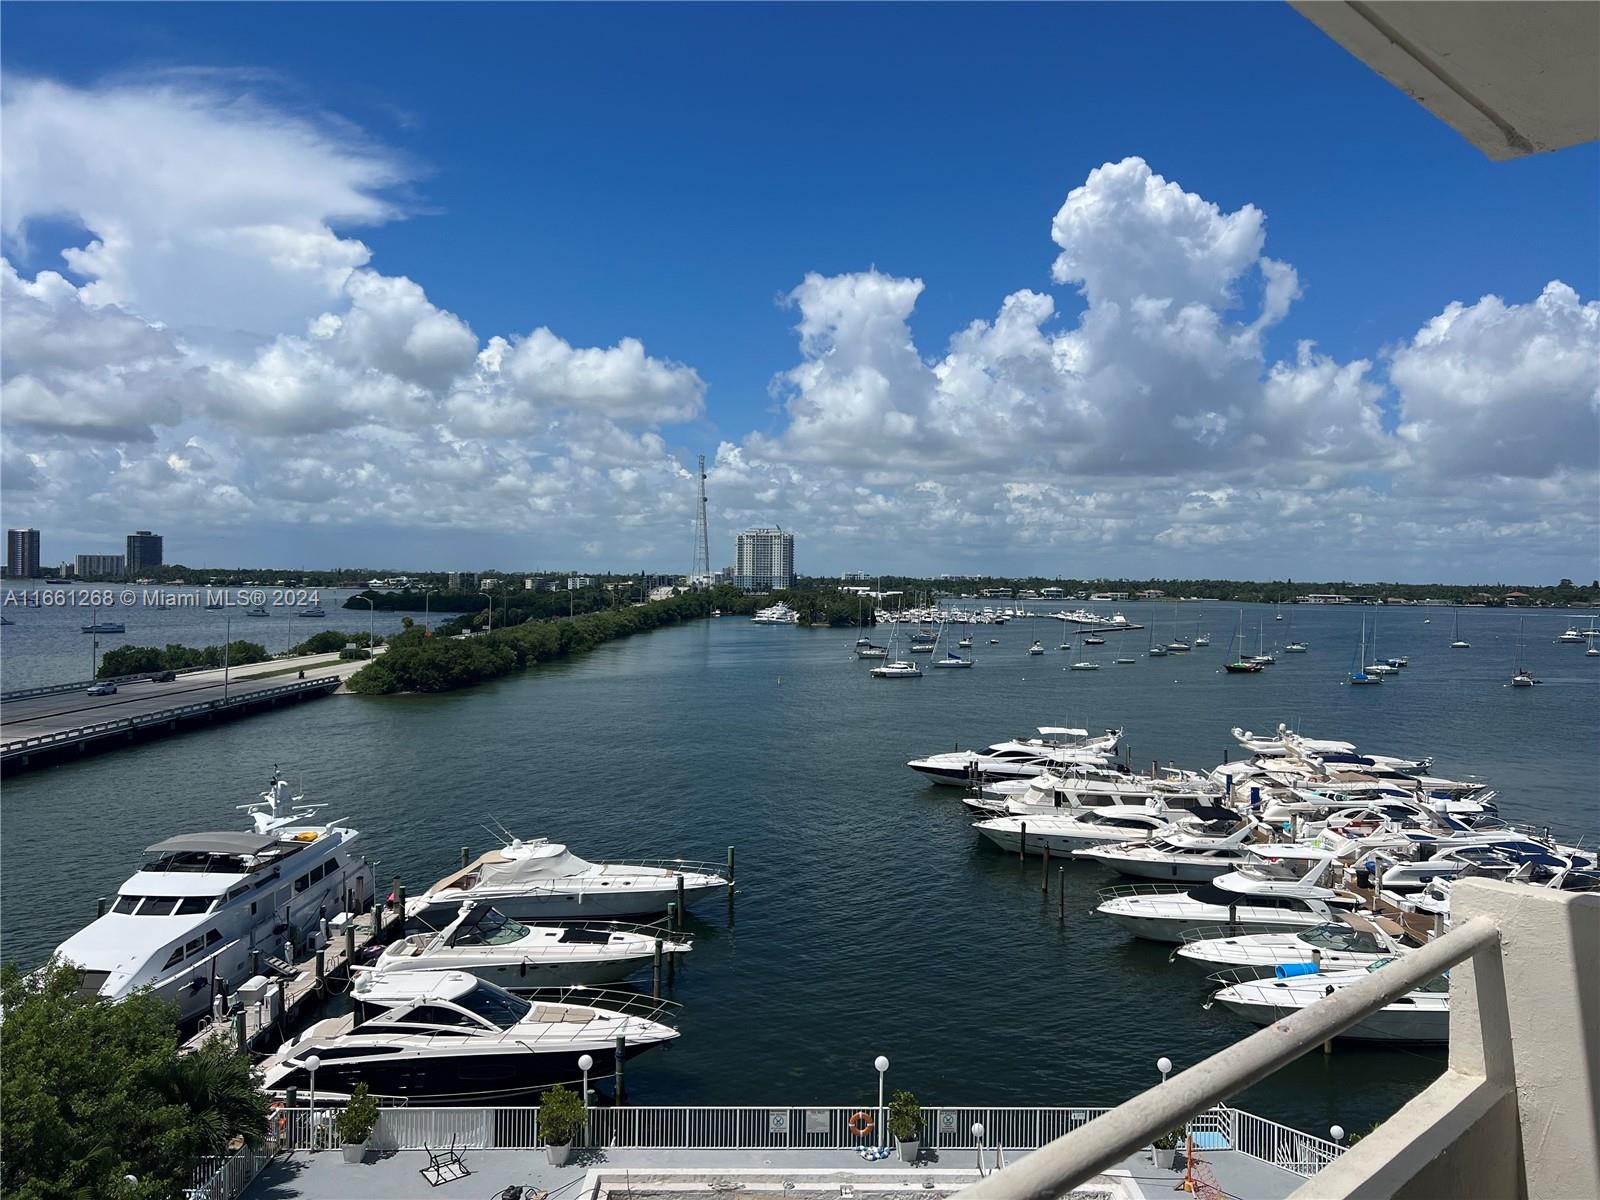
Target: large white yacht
1055, 749
1072, 829
1352, 941
447, 1037
518, 957
778, 614
184, 925
543, 880
1198, 848
1421, 1017
1278, 889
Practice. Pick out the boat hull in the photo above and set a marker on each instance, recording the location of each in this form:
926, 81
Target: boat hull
438, 909
1417, 1026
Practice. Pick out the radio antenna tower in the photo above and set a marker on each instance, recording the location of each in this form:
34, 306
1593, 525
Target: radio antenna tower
701, 576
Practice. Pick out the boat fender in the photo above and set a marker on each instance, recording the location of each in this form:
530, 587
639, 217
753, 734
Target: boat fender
1290, 970
860, 1123
522, 969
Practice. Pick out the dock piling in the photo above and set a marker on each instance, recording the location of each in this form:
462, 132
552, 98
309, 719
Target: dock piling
399, 909
1022, 845
349, 951
673, 916
100, 907
730, 866
1061, 893
655, 971
322, 969
1044, 871
616, 1077
681, 910
466, 856
238, 1030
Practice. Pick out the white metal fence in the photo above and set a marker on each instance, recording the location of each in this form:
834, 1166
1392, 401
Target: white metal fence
225, 1178
822, 1127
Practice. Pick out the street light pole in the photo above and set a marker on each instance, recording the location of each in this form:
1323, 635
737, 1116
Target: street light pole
227, 639
312, 1063
490, 595
372, 625
427, 602
882, 1064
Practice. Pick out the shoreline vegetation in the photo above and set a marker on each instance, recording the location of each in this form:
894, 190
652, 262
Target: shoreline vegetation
418, 663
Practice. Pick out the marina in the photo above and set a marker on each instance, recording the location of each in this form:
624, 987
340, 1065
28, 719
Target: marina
769, 942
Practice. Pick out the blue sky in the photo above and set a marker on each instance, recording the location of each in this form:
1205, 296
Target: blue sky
671, 173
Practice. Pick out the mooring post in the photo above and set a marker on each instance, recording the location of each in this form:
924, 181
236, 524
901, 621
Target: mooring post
283, 1003
1044, 871
238, 1030
1061, 893
616, 1077
681, 910
730, 870
672, 914
399, 909
1022, 844
466, 856
100, 907
255, 962
349, 951
655, 972
322, 969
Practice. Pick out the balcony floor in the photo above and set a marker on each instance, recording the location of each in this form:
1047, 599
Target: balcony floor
325, 1176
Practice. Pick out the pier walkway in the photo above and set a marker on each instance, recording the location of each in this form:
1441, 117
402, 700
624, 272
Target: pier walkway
41, 724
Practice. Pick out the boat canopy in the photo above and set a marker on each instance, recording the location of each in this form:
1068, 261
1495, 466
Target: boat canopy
1059, 731
225, 842
521, 862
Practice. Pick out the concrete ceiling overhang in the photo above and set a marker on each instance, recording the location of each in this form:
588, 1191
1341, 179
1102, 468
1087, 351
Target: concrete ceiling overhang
1513, 77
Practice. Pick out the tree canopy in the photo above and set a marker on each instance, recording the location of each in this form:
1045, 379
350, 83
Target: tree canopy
95, 1092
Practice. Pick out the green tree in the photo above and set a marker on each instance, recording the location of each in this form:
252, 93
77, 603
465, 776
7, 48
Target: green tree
93, 1092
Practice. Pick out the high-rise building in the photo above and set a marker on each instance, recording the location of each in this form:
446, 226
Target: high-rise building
144, 550
764, 560
22, 553
101, 566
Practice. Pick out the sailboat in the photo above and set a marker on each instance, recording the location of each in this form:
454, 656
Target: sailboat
1157, 649
1523, 677
1177, 645
1200, 639
896, 668
1379, 666
951, 658
1260, 657
1295, 646
1241, 665
1456, 643
1359, 675
864, 645
1086, 664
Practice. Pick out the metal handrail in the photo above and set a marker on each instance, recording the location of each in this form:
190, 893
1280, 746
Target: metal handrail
1069, 1161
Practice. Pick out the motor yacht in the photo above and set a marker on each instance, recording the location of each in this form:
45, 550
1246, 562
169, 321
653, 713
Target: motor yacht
964, 644
776, 614
185, 924
1056, 748
1036, 648
1277, 889
1073, 829
447, 1037
316, 610
1197, 849
1573, 635
485, 942
542, 880
1085, 666
1351, 942
1421, 1017
1296, 648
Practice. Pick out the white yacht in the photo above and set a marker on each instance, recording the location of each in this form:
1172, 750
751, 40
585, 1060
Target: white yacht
777, 614
1421, 1017
900, 669
1352, 941
1056, 748
1573, 635
1276, 890
518, 957
1073, 829
184, 925
543, 880
1036, 648
447, 1037
1196, 849
952, 659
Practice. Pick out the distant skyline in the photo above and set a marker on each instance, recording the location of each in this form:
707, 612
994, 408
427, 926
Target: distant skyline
1060, 290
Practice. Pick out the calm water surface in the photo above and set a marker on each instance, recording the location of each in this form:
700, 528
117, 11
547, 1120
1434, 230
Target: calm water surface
869, 918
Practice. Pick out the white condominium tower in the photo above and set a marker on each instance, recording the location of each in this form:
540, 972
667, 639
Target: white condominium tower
765, 560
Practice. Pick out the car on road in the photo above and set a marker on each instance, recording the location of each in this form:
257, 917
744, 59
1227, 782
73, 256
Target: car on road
103, 689
163, 677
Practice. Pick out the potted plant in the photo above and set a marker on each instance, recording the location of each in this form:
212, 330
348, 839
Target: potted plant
355, 1124
561, 1118
1165, 1149
905, 1124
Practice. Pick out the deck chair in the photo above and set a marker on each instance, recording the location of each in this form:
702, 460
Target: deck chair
444, 1166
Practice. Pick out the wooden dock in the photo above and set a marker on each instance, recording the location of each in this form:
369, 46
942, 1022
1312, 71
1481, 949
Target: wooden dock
261, 1024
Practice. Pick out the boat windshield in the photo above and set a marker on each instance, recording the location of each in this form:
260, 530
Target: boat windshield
1341, 937
493, 928
496, 1005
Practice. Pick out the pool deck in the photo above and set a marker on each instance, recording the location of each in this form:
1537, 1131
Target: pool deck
395, 1176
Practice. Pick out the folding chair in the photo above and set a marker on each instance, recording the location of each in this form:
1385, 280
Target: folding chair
444, 1166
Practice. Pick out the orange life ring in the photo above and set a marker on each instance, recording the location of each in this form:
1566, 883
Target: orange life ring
279, 1118
861, 1123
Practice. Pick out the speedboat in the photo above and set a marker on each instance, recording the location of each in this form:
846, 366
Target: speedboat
1421, 1017
1202, 639
316, 610
1036, 648
540, 880
964, 644
1276, 889
1351, 942
871, 651
185, 924
1202, 846
1296, 648
921, 648
1572, 635
1085, 666
897, 670
488, 944
106, 627
1382, 668
1178, 646
1073, 829
1056, 748
447, 1037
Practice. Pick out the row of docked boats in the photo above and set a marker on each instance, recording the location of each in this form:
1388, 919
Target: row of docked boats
493, 991
1289, 874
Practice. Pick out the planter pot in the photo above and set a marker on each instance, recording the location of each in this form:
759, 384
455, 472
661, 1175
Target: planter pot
355, 1152
1167, 1160
558, 1154
910, 1150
